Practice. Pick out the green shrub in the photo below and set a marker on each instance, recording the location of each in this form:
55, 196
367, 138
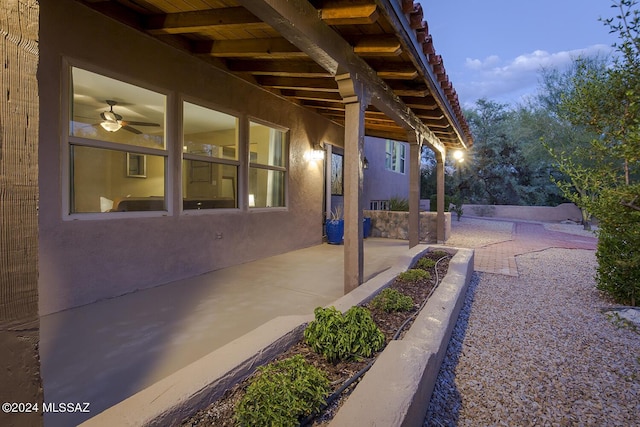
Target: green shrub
414, 275
425, 263
440, 254
398, 204
343, 337
391, 300
282, 393
618, 250
433, 202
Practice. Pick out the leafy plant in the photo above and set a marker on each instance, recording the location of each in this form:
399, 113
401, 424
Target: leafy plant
398, 204
282, 393
391, 300
414, 275
425, 263
336, 213
440, 254
457, 209
343, 337
433, 203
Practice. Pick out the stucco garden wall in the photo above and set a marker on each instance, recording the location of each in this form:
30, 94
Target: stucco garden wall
563, 212
395, 225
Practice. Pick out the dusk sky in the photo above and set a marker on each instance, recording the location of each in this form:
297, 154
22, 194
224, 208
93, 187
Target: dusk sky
496, 48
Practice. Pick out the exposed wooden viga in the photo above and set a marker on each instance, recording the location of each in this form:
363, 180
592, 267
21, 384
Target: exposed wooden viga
19, 325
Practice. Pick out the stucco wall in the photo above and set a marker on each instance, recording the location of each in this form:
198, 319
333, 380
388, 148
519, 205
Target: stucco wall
379, 183
82, 261
563, 212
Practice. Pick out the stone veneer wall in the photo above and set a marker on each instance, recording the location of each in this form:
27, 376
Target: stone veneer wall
395, 225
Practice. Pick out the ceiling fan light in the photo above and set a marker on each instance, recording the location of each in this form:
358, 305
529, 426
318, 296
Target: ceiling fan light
110, 125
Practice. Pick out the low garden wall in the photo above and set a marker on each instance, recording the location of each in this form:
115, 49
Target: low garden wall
563, 212
395, 225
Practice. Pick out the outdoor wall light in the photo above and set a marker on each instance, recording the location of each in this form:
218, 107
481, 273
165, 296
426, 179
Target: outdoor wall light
317, 152
365, 163
458, 155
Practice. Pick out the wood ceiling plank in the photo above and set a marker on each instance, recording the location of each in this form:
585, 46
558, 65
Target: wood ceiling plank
398, 74
378, 46
282, 68
249, 48
201, 20
314, 84
349, 14
311, 95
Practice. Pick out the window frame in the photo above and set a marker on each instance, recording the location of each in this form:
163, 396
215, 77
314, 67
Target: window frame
210, 159
286, 137
68, 141
395, 157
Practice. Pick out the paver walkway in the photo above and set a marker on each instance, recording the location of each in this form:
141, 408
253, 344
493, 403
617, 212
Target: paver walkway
527, 237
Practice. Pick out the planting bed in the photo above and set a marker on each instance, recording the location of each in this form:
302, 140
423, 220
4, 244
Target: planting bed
221, 412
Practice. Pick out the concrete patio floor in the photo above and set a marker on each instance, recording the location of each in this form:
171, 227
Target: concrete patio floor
104, 352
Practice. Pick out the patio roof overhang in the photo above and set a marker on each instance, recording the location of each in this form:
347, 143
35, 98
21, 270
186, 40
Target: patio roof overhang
300, 49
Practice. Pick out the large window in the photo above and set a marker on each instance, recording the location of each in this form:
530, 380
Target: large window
267, 166
395, 156
117, 151
210, 158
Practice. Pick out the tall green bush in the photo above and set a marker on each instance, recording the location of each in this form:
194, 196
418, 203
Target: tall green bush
618, 251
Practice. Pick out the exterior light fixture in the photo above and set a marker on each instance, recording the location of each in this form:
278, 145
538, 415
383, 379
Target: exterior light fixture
365, 163
458, 155
317, 153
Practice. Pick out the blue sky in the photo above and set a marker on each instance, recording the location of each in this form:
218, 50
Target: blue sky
496, 48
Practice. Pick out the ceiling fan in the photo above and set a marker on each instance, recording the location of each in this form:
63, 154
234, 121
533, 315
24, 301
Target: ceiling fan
112, 121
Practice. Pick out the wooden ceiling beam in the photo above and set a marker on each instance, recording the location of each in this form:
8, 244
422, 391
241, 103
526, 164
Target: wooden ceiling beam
301, 23
311, 95
422, 103
281, 68
201, 20
345, 13
314, 84
397, 73
333, 106
378, 46
248, 48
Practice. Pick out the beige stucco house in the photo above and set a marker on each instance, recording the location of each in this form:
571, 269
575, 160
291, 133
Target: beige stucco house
148, 141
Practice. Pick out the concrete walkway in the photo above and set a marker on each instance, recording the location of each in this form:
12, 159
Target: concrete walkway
104, 352
526, 237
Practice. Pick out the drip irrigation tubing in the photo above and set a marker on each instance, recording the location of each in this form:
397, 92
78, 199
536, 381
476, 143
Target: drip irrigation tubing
362, 371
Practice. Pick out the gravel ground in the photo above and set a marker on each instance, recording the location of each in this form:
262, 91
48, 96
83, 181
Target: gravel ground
537, 350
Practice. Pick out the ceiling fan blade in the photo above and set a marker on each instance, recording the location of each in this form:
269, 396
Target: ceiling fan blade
132, 130
140, 123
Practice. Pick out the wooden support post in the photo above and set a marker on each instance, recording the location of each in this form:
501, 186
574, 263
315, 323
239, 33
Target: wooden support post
440, 226
414, 190
353, 95
353, 185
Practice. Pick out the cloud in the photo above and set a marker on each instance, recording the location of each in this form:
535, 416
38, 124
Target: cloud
510, 81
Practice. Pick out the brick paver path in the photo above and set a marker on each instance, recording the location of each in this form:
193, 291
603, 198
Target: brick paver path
526, 237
